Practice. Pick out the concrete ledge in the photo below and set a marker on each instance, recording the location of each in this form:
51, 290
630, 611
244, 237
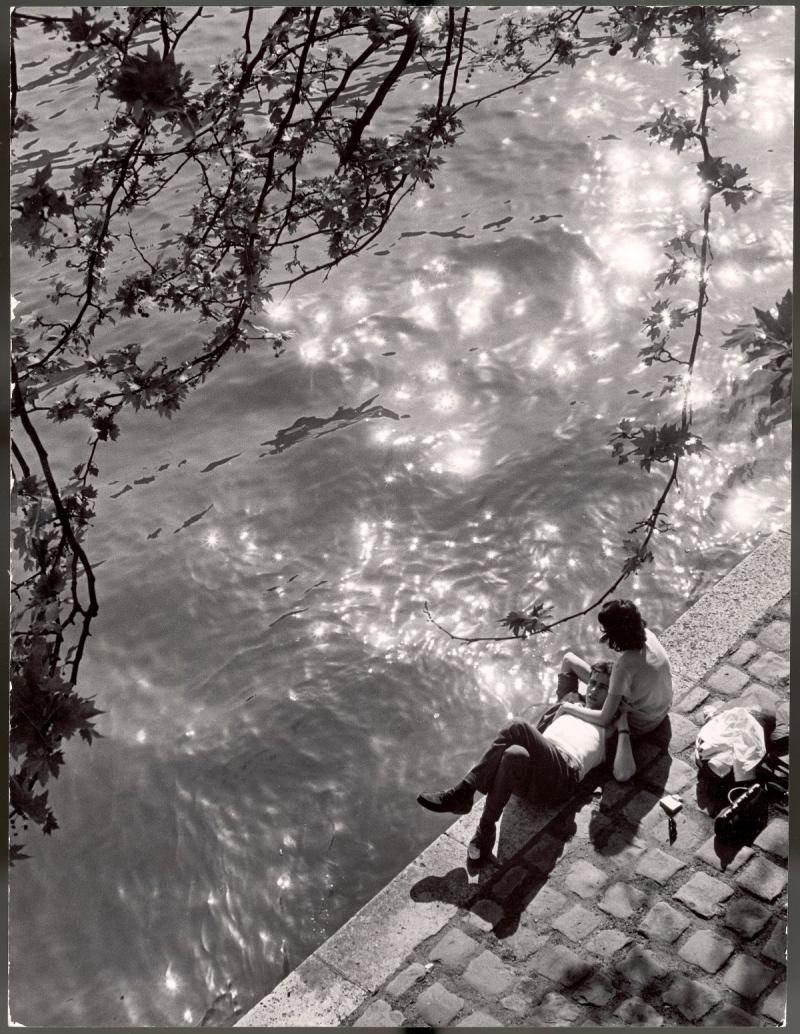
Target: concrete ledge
314, 995
414, 906
348, 968
707, 630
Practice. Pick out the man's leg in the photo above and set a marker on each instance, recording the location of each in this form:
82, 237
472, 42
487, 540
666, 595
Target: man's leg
512, 775
482, 775
458, 799
523, 761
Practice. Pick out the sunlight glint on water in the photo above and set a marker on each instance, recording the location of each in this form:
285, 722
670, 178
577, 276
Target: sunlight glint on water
274, 695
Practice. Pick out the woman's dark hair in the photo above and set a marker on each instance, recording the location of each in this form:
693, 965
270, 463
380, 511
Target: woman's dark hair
622, 625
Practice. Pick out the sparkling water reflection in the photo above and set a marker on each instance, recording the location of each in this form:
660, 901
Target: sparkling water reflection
274, 694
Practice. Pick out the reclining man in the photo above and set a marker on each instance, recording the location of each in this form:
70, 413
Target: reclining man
543, 766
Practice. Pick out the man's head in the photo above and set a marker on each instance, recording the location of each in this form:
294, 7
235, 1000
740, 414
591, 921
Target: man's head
597, 690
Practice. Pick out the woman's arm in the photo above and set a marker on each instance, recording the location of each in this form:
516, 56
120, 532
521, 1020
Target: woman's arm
604, 717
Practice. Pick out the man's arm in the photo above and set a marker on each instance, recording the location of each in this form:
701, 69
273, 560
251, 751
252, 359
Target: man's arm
604, 717
576, 665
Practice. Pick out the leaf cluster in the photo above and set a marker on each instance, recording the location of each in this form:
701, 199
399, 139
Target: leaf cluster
651, 444
766, 347
524, 623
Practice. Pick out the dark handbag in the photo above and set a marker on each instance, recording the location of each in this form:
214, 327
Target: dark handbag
746, 813
773, 772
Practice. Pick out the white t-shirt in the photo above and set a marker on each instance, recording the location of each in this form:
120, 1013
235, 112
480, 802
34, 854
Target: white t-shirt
584, 742
643, 678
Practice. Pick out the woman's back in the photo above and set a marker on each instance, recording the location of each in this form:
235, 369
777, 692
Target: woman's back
644, 679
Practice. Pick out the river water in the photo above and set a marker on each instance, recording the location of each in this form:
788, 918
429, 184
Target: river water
274, 696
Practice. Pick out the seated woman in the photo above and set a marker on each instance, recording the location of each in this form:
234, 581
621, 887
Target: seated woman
641, 678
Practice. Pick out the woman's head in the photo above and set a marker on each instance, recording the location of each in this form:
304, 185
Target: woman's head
622, 624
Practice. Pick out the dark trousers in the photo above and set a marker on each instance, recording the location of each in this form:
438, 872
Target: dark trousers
522, 761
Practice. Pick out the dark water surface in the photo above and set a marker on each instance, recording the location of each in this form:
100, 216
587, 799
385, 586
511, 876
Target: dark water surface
274, 695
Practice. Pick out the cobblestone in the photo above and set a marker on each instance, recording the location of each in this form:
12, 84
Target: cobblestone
691, 998
587, 823
405, 979
634, 1012
560, 965
479, 1019
707, 950
545, 852
438, 1006
670, 775
488, 975
746, 917
516, 1002
524, 942
709, 853
730, 1016
613, 792
485, 914
693, 699
745, 653
755, 695
379, 1014
703, 894
577, 923
454, 948
747, 977
727, 680
775, 838
659, 866
663, 923
770, 668
776, 636
641, 806
598, 989
608, 942
640, 968
621, 900
546, 903
510, 882
623, 850
774, 1005
684, 733
644, 752
555, 1011
775, 948
585, 879
763, 878
683, 836
689, 832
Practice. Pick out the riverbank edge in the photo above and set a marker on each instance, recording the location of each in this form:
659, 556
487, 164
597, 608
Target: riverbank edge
351, 965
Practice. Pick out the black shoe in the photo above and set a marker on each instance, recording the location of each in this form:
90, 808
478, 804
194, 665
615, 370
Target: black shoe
480, 847
459, 802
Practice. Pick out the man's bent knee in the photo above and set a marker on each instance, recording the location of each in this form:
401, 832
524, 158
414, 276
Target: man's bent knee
516, 753
515, 730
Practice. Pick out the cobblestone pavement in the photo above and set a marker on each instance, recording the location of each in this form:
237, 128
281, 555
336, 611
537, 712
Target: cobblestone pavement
609, 918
